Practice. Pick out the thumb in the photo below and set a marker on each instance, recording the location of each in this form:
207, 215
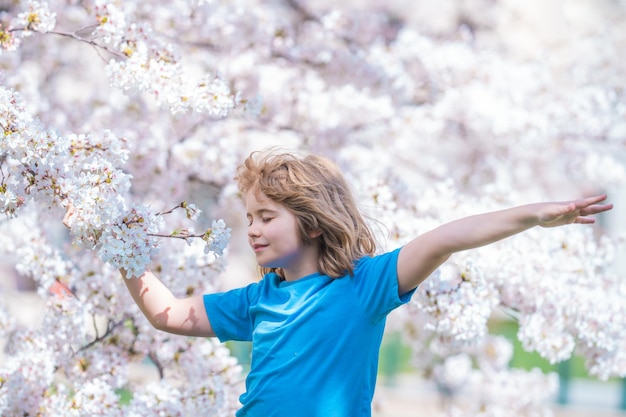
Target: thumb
69, 212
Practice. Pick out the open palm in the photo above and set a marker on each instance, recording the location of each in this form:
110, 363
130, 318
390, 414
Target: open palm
558, 214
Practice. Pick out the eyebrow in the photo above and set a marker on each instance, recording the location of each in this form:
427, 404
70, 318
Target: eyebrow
262, 211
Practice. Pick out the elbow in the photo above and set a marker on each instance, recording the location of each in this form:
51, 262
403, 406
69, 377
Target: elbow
158, 325
160, 321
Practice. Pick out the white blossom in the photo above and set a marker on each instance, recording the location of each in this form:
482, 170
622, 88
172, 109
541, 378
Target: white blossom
37, 18
218, 237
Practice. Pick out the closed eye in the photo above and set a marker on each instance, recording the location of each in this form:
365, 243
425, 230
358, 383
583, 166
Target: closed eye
264, 216
263, 220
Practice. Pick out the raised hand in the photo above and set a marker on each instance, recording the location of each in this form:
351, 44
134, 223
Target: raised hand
577, 211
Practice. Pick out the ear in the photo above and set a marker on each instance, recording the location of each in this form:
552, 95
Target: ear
315, 233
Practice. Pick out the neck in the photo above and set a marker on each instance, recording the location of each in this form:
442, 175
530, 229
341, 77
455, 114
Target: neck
302, 269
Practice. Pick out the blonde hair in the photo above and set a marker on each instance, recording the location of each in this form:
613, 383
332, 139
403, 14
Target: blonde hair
317, 193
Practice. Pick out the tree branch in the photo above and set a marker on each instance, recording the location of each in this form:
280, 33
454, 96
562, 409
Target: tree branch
75, 35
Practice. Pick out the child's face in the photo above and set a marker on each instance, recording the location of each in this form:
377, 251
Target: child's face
273, 236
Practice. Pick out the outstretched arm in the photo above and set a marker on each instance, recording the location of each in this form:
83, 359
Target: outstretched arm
184, 316
421, 256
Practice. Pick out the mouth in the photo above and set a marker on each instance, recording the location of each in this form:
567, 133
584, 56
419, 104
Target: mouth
257, 247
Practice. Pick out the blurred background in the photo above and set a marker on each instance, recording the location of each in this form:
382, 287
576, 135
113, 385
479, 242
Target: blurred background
556, 34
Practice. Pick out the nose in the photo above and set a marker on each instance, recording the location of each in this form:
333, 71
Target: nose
253, 230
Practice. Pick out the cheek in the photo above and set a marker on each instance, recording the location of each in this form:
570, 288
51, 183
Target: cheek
287, 235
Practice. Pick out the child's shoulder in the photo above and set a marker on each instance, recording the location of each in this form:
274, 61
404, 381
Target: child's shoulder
377, 262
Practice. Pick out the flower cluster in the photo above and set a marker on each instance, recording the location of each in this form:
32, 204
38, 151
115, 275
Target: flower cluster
144, 62
458, 303
512, 392
93, 182
32, 157
32, 17
149, 64
128, 243
217, 237
37, 18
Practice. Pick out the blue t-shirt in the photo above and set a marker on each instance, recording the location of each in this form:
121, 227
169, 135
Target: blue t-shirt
315, 341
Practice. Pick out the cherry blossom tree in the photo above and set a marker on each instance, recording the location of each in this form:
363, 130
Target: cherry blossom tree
138, 113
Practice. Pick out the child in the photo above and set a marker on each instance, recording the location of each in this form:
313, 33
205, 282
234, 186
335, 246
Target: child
316, 319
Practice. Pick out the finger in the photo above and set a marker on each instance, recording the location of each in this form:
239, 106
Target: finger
585, 202
69, 212
595, 209
584, 220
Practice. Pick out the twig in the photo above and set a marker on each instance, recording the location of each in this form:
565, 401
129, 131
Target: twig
181, 236
75, 36
181, 205
111, 325
157, 363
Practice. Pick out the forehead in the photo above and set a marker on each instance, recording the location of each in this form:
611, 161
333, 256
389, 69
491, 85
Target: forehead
256, 200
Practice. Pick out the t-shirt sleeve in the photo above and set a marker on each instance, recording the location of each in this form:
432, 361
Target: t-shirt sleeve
229, 313
376, 282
